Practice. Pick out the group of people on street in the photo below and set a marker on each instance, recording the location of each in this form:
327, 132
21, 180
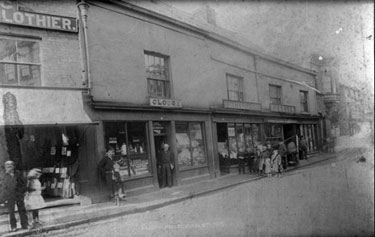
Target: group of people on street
274, 160
269, 161
26, 194
109, 170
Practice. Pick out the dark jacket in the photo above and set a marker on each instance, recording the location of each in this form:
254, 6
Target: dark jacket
105, 166
13, 187
166, 157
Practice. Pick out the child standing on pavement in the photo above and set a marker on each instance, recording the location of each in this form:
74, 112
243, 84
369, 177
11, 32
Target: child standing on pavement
34, 200
267, 162
276, 163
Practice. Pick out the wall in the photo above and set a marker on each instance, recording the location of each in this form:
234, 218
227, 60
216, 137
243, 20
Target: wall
118, 38
116, 45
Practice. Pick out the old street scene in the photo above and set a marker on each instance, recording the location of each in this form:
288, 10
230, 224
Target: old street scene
186, 118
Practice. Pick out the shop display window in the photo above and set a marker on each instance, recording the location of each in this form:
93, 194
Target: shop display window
54, 150
131, 150
273, 133
190, 144
235, 139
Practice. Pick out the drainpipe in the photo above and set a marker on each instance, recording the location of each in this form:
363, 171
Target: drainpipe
83, 15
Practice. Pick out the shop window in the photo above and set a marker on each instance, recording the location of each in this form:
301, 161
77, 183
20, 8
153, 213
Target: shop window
235, 88
54, 150
130, 143
304, 101
273, 133
158, 81
19, 62
236, 138
190, 144
275, 94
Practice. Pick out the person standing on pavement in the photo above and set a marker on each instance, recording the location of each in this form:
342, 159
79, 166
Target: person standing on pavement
303, 148
292, 152
34, 200
105, 168
14, 189
283, 154
166, 164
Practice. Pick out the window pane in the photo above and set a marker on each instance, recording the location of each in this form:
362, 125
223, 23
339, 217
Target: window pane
29, 75
232, 142
240, 137
183, 144
28, 52
8, 74
137, 149
233, 95
197, 144
156, 67
7, 50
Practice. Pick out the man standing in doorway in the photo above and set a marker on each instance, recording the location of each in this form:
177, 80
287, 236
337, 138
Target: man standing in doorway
167, 165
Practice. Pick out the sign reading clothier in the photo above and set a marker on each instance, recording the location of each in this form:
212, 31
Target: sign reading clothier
167, 103
9, 14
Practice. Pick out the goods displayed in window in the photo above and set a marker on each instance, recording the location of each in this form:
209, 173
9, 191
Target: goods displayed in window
130, 142
190, 144
273, 133
55, 151
236, 140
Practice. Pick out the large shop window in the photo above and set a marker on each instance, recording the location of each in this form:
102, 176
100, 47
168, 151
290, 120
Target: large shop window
158, 81
190, 144
54, 150
19, 62
130, 142
235, 138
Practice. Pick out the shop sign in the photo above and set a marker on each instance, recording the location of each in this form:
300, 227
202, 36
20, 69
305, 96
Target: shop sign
230, 104
158, 128
282, 108
166, 103
281, 121
9, 14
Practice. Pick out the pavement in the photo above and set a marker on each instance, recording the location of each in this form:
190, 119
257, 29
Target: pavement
69, 216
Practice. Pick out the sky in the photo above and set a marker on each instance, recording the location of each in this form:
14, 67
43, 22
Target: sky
342, 31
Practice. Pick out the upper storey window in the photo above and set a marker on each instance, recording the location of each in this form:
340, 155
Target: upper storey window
275, 94
235, 88
158, 80
19, 62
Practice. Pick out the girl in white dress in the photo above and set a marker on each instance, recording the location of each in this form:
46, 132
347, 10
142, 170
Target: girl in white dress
34, 200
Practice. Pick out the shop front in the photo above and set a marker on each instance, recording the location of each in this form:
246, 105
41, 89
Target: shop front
48, 130
138, 136
237, 137
288, 130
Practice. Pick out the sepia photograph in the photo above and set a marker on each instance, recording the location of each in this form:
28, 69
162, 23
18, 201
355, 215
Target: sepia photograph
186, 118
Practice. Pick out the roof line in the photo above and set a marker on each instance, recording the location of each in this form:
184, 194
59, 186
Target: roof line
209, 35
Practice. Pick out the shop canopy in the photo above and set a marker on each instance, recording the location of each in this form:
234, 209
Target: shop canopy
38, 106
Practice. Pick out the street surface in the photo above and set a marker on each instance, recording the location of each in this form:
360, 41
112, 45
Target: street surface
333, 198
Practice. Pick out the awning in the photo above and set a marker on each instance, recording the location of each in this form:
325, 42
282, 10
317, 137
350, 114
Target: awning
39, 106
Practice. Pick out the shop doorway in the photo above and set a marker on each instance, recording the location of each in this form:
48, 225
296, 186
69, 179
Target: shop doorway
161, 133
289, 133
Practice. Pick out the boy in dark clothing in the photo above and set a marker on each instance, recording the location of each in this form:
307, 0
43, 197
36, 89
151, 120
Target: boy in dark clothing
14, 189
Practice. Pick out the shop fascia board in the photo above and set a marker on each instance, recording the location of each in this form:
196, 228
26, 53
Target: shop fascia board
48, 124
263, 114
207, 34
104, 105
